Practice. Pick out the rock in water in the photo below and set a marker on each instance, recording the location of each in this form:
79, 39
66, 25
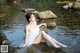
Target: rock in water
15, 2
51, 25
43, 28
77, 5
5, 42
70, 5
46, 14
65, 6
29, 10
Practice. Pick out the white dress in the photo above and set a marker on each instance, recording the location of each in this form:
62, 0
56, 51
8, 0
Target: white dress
34, 32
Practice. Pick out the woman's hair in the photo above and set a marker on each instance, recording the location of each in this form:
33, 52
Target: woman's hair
28, 16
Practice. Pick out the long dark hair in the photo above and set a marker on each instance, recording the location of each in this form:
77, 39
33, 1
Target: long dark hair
28, 16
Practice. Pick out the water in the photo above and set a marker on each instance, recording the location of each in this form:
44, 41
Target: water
67, 30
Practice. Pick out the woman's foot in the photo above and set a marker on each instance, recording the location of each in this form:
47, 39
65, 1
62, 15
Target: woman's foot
63, 46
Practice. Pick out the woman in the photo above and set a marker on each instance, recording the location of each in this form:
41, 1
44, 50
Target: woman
35, 36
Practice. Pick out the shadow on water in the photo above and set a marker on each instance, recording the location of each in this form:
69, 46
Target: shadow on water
67, 30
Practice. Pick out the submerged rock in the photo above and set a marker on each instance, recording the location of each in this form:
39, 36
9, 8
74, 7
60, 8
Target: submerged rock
46, 14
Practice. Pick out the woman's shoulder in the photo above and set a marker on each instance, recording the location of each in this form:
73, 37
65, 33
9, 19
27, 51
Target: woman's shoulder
27, 26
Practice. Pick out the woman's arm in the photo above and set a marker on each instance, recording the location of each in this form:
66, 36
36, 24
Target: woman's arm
42, 24
26, 38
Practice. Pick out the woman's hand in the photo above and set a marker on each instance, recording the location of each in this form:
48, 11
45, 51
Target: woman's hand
42, 24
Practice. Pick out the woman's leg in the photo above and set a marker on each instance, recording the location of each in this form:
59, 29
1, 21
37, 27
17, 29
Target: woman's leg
58, 43
39, 39
54, 42
45, 36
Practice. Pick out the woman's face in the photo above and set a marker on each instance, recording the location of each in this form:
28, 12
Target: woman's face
32, 18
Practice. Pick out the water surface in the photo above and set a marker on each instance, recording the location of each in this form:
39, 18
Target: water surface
67, 30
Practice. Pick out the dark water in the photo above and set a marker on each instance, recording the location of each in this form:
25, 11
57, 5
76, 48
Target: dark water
67, 30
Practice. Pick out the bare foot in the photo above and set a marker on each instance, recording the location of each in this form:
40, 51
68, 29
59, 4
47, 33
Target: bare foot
63, 46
